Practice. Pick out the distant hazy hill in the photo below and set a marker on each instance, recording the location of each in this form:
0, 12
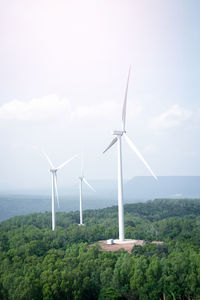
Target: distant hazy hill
146, 187
136, 190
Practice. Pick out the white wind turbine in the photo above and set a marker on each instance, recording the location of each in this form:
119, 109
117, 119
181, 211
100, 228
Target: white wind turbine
118, 135
54, 186
81, 180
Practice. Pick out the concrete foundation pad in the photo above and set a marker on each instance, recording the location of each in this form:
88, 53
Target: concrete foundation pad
118, 242
127, 245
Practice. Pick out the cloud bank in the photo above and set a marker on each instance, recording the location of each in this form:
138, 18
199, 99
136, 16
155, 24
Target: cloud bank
36, 109
173, 117
52, 107
55, 108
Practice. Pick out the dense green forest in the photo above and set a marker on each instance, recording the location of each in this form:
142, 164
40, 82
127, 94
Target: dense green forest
36, 263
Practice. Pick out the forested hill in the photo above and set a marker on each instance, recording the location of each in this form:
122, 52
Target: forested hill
36, 263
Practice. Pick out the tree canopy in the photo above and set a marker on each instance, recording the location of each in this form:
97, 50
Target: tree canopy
36, 263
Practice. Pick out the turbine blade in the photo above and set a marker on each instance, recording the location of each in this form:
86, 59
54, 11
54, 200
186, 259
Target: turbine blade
82, 164
50, 162
125, 101
56, 188
111, 144
132, 146
89, 185
66, 162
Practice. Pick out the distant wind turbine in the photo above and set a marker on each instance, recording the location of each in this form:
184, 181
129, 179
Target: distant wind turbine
81, 180
54, 186
118, 135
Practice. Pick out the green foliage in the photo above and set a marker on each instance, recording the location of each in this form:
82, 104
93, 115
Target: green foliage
36, 263
151, 249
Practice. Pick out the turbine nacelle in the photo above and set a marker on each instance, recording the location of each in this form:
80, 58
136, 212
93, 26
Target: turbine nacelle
118, 132
53, 170
81, 178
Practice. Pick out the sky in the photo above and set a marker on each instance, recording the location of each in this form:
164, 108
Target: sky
63, 72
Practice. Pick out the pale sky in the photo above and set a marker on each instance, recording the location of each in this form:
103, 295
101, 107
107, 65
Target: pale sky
63, 71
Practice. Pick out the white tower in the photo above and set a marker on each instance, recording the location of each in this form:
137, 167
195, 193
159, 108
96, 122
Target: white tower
118, 137
81, 180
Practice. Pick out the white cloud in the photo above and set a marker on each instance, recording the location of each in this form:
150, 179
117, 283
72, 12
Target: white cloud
52, 107
104, 110
61, 110
173, 117
37, 109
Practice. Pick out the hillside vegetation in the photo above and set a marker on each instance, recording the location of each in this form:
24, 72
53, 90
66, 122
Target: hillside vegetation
36, 263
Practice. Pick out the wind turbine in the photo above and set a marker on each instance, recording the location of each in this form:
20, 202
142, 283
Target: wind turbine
118, 135
81, 180
54, 186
